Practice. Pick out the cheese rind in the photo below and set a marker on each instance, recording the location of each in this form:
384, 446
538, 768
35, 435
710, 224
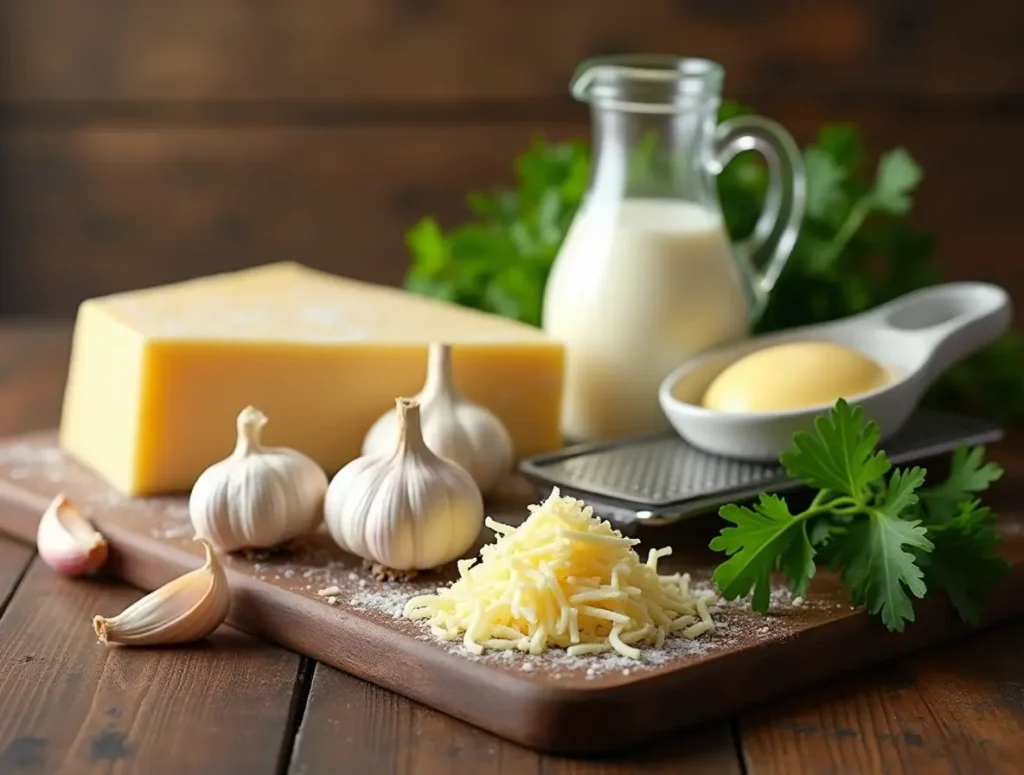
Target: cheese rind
158, 376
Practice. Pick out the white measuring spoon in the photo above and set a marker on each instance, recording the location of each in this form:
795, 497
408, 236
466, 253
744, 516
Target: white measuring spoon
915, 337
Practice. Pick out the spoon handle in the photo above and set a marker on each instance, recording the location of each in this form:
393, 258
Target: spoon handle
947, 322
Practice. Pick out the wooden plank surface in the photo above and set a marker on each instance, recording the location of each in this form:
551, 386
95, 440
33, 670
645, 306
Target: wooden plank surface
578, 707
223, 706
33, 367
386, 51
14, 560
351, 727
964, 684
958, 708
107, 206
71, 705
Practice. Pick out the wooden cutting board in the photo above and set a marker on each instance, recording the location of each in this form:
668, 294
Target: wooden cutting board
582, 705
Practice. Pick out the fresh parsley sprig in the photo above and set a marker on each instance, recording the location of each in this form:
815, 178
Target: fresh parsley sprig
890, 538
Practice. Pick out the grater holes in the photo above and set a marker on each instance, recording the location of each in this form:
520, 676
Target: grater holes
655, 473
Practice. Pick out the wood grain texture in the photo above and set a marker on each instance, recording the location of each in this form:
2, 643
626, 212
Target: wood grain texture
111, 208
33, 365
430, 51
953, 690
14, 559
975, 695
955, 709
353, 727
552, 707
93, 209
72, 705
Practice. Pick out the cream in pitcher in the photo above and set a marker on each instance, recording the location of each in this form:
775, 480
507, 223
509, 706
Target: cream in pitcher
646, 276
632, 298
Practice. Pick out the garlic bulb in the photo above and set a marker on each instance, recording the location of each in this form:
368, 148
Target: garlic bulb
408, 509
258, 497
453, 427
67, 541
186, 609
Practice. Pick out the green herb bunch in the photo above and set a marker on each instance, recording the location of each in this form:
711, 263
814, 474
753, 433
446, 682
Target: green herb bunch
891, 538
856, 249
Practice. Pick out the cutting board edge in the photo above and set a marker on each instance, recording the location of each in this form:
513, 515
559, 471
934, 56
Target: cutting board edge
539, 716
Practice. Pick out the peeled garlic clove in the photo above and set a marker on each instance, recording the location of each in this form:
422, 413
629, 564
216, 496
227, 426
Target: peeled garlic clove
186, 609
408, 509
453, 426
259, 497
67, 541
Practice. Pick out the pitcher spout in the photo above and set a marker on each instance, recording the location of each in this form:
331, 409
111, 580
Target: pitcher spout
647, 83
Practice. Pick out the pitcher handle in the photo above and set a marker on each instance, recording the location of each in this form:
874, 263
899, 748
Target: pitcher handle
778, 226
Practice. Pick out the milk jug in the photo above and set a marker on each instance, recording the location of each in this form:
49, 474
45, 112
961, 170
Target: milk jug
646, 276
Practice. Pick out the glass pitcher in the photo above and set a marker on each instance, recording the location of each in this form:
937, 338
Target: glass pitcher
646, 277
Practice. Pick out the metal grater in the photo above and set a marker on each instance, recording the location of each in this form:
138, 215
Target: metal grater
660, 479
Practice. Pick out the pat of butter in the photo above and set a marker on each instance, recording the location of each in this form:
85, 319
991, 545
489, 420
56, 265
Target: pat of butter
794, 375
158, 376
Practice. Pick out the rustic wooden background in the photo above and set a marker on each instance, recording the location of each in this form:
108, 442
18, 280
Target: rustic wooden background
144, 141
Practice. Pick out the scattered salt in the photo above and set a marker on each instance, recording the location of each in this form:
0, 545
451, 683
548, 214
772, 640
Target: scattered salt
388, 600
337, 583
175, 531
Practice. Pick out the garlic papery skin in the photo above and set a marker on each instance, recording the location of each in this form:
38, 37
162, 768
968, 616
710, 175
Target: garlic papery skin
186, 609
67, 541
453, 426
259, 497
408, 509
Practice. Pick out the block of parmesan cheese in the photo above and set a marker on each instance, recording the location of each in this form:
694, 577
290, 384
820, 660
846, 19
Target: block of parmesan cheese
158, 376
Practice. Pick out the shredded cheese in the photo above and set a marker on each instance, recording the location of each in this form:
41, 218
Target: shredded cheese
564, 579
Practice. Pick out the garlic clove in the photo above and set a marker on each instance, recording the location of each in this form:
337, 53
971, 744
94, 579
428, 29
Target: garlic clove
407, 509
67, 541
452, 426
258, 497
186, 609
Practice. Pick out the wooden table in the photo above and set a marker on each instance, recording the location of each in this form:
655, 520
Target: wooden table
238, 705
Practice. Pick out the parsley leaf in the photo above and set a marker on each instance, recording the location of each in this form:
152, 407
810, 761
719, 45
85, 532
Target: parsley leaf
964, 562
968, 475
901, 493
840, 455
898, 176
764, 537
880, 571
891, 539
824, 182
877, 568
843, 143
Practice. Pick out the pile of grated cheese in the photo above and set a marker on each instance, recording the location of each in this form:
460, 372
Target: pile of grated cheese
564, 578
